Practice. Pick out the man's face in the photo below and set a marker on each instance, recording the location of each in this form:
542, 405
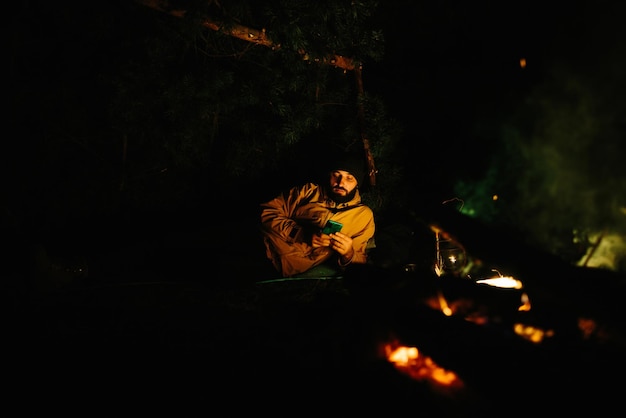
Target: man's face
342, 186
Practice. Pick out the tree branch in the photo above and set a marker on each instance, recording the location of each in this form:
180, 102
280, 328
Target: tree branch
247, 34
259, 37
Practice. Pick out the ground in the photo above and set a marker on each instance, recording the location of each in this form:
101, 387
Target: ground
178, 321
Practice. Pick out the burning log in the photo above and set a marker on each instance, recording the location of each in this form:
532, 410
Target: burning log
560, 292
497, 364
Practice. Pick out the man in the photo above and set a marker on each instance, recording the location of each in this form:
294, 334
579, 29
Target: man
292, 223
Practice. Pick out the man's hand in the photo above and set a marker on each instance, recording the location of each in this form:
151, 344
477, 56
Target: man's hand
342, 243
339, 242
320, 240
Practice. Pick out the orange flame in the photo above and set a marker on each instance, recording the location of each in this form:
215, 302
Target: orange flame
420, 367
533, 334
525, 306
503, 282
443, 304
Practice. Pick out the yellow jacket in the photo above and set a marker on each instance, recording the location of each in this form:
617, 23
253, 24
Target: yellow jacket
289, 220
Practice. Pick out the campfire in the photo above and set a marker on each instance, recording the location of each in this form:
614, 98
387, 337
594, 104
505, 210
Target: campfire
411, 362
500, 303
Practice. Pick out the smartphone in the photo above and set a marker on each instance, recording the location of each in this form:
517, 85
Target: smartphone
332, 227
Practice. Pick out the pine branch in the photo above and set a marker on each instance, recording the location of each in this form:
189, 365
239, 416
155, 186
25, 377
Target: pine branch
247, 34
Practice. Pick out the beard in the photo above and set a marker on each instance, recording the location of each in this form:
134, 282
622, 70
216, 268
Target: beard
342, 199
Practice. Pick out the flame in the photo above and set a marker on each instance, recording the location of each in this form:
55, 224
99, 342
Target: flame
420, 367
503, 282
525, 306
533, 334
443, 304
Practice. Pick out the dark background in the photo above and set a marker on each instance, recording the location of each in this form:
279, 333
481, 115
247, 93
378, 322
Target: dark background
108, 116
128, 244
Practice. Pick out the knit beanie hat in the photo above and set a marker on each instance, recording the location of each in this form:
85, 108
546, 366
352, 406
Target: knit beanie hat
352, 163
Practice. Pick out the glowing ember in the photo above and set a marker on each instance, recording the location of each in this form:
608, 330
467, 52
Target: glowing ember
587, 326
420, 367
533, 334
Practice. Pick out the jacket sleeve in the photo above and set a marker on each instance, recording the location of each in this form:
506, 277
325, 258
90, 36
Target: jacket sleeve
277, 216
285, 225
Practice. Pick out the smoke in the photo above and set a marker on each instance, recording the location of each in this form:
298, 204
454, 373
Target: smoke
560, 169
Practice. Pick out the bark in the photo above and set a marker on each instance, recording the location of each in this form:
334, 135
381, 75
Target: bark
371, 167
